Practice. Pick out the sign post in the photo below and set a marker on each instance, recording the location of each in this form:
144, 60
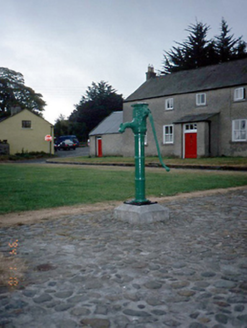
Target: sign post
49, 138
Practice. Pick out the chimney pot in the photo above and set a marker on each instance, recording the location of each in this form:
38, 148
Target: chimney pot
150, 73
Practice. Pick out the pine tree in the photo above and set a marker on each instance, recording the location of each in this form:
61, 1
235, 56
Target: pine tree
226, 46
193, 53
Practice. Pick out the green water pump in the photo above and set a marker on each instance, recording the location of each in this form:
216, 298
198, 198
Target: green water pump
139, 128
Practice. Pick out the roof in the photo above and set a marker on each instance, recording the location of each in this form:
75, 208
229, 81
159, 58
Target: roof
201, 79
195, 118
109, 125
25, 109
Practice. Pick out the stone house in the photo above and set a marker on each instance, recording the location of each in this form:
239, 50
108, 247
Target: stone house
197, 113
26, 131
105, 140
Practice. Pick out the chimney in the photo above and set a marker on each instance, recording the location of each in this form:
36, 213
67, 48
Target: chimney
15, 110
150, 73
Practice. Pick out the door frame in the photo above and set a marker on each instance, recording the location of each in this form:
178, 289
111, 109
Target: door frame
188, 128
99, 138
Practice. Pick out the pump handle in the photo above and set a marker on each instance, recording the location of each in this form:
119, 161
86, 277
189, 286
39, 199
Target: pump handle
156, 141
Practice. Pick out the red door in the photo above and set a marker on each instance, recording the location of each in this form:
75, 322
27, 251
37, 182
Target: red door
99, 147
190, 145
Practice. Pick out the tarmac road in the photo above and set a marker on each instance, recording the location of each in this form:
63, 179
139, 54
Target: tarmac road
81, 151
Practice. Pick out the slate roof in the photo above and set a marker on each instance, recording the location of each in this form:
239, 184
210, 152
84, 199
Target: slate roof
224, 75
109, 125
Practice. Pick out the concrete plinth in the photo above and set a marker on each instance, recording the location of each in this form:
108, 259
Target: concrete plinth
141, 214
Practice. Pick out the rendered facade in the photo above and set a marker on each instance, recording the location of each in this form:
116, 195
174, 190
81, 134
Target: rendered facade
25, 131
105, 139
197, 113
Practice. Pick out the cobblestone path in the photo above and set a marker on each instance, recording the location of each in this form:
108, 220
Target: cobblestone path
93, 271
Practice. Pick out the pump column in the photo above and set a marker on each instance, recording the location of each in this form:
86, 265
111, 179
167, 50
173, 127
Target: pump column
140, 168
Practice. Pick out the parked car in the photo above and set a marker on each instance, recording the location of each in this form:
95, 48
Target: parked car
66, 145
68, 137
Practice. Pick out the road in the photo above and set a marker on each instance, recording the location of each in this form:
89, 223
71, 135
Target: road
81, 151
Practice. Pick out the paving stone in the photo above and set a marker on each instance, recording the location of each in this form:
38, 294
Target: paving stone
224, 284
80, 311
239, 308
208, 274
154, 301
64, 294
186, 293
153, 285
42, 298
180, 284
135, 313
172, 323
67, 324
63, 307
96, 323
29, 293
101, 309
242, 318
222, 318
197, 325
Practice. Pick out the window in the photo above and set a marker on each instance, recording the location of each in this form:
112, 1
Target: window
26, 124
239, 94
169, 104
168, 134
239, 130
190, 127
201, 99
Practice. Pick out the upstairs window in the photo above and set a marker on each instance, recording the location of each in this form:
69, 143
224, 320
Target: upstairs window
168, 134
201, 99
26, 124
169, 104
239, 130
239, 94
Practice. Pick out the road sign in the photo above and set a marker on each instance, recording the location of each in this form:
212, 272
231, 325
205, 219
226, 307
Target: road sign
48, 138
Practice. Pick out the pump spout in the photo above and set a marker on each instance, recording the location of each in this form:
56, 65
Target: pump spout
124, 126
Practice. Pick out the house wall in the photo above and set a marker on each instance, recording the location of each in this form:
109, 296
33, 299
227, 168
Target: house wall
111, 144
214, 138
26, 139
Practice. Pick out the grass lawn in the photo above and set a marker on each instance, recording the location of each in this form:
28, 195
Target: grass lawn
32, 187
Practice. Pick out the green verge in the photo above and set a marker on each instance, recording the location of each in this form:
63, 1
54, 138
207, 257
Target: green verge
33, 187
214, 161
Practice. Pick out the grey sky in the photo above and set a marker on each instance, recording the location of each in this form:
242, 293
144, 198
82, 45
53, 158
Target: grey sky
62, 46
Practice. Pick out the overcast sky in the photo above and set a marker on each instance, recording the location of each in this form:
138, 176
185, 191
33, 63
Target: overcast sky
62, 46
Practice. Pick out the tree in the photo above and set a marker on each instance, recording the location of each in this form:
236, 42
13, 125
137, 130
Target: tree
13, 93
226, 46
61, 126
193, 53
99, 101
197, 51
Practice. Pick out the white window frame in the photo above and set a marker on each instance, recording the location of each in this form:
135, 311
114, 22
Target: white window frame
26, 124
199, 100
168, 138
190, 127
169, 104
239, 94
239, 130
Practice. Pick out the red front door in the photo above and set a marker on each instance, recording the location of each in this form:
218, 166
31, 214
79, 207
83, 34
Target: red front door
190, 145
99, 147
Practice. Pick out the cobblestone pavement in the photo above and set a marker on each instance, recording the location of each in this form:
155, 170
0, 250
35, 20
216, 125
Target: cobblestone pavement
91, 270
